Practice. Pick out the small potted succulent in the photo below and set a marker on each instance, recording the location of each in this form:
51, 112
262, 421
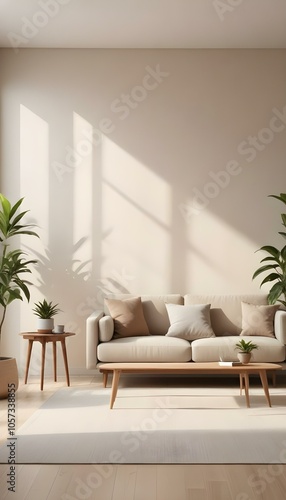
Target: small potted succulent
245, 350
45, 311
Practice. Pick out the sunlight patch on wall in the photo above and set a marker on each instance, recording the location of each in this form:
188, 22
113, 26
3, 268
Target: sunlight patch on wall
136, 216
34, 178
217, 250
142, 186
34, 165
82, 206
34, 187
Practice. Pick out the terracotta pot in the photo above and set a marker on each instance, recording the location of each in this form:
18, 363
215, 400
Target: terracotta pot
9, 379
244, 357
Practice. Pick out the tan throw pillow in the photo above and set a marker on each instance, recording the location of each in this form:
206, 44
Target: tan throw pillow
189, 322
128, 316
258, 320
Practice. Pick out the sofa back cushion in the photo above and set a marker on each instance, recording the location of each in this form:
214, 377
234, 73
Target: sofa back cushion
226, 311
154, 309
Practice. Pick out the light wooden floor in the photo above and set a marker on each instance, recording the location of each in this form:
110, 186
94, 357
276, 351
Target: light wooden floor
127, 481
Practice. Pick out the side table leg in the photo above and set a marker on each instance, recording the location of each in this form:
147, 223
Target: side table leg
30, 345
65, 360
55, 360
43, 342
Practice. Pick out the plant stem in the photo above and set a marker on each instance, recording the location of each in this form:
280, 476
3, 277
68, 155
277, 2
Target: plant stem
2, 320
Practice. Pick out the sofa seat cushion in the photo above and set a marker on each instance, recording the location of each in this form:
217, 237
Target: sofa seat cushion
214, 349
151, 349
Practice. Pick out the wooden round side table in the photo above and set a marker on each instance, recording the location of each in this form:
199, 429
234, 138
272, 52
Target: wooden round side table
44, 338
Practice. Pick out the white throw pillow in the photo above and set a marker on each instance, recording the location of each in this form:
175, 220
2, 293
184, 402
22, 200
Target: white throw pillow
189, 322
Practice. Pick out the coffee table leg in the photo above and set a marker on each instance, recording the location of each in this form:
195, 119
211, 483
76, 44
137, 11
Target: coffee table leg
115, 381
246, 388
240, 384
28, 359
264, 381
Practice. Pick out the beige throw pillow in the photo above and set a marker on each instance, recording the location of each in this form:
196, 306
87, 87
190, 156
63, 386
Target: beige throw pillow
258, 319
189, 322
128, 317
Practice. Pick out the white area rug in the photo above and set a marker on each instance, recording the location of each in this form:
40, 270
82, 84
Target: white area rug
157, 425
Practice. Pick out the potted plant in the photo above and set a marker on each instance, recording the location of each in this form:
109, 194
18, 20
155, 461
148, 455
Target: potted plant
245, 350
45, 311
276, 264
13, 265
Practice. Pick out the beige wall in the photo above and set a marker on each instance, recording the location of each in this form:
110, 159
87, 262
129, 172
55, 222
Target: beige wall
147, 171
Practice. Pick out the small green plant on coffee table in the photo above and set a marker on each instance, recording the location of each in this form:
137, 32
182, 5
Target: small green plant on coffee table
244, 346
45, 309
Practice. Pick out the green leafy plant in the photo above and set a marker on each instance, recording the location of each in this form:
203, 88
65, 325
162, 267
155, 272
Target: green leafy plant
244, 346
45, 309
13, 263
276, 264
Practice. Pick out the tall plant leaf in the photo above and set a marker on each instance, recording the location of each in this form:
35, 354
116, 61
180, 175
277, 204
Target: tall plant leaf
275, 292
263, 269
282, 197
278, 259
13, 263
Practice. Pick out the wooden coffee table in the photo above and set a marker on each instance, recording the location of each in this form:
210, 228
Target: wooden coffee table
191, 369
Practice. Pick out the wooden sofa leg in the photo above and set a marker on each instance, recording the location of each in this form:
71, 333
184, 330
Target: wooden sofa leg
105, 378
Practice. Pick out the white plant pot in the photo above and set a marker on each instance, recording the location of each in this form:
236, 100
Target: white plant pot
45, 325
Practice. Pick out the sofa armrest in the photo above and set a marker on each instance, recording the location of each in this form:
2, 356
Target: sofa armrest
105, 328
92, 338
280, 326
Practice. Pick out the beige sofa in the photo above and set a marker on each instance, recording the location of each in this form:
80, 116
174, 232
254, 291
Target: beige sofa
226, 320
